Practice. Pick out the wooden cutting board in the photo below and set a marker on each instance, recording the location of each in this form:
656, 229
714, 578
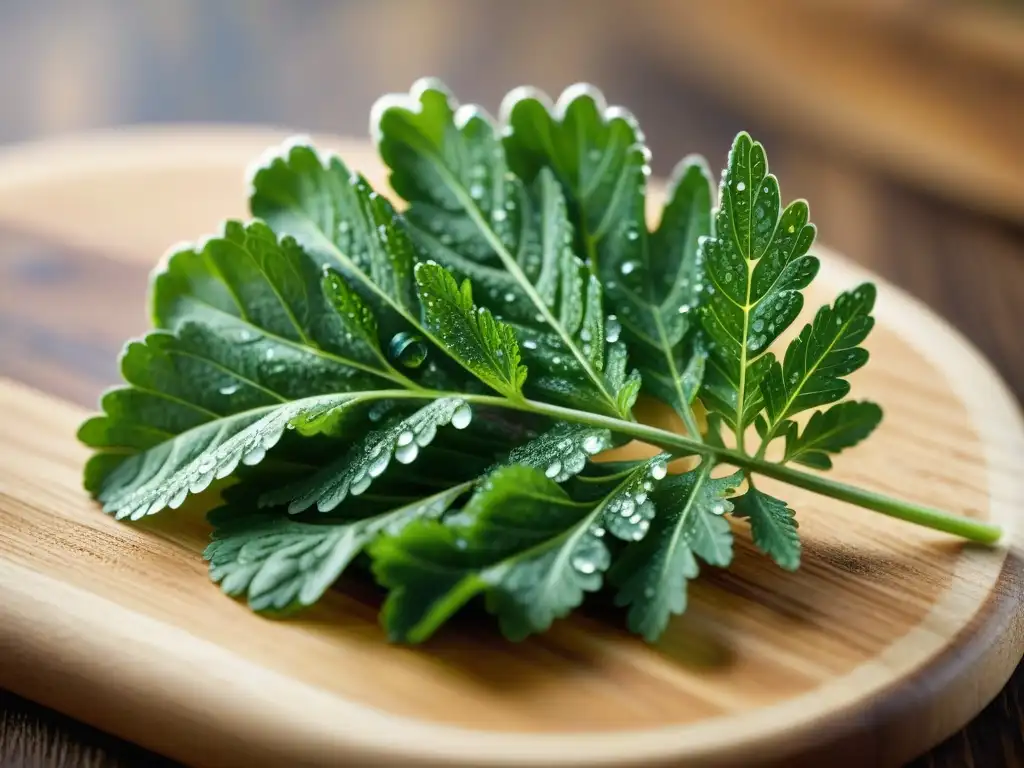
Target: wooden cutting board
887, 640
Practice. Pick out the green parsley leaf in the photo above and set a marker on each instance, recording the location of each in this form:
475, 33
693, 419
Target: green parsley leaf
756, 264
830, 431
773, 526
652, 574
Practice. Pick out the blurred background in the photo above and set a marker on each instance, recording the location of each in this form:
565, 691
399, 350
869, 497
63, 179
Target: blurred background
902, 121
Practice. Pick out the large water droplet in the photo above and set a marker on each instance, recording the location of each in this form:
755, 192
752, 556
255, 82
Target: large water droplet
659, 470
499, 215
462, 415
476, 191
229, 389
592, 444
758, 326
254, 455
529, 344
628, 267
740, 186
407, 453
553, 468
408, 349
405, 437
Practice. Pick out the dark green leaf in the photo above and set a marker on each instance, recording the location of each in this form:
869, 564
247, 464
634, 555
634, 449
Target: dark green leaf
652, 574
819, 358
830, 431
484, 346
279, 565
756, 263
773, 526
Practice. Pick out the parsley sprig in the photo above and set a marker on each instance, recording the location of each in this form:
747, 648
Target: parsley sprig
425, 394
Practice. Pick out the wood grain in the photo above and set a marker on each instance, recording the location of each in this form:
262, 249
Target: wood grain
886, 641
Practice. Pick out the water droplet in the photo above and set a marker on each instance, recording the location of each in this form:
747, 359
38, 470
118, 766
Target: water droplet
554, 468
612, 329
740, 186
201, 482
254, 455
758, 325
343, 227
378, 465
628, 267
659, 470
684, 308
718, 508
632, 234
407, 453
584, 564
499, 215
556, 360
727, 277
592, 444
509, 297
360, 483
791, 229
178, 498
594, 155
529, 344
405, 437
640, 498
648, 485
649, 592
461, 543
598, 531
476, 191
446, 239
462, 415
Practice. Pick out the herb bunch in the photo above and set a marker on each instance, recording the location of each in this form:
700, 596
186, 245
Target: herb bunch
422, 394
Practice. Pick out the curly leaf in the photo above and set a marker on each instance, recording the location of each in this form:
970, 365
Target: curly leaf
562, 452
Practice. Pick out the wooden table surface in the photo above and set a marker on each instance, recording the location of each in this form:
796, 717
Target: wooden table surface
314, 68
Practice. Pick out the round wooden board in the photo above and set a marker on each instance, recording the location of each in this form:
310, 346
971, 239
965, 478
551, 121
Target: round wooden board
888, 639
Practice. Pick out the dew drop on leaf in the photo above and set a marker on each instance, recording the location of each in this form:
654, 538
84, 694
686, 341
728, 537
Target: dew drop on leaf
229, 389
462, 415
740, 186
612, 329
529, 344
407, 349
378, 465
628, 267
405, 437
408, 452
553, 469
659, 470
500, 215
592, 444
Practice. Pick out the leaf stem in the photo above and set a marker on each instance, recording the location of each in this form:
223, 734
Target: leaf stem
929, 517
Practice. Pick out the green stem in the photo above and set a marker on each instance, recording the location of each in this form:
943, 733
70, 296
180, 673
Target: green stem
929, 517
973, 530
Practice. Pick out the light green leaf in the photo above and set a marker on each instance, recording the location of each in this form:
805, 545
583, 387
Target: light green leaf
370, 457
652, 575
830, 431
819, 358
773, 526
282, 565
486, 347
756, 263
